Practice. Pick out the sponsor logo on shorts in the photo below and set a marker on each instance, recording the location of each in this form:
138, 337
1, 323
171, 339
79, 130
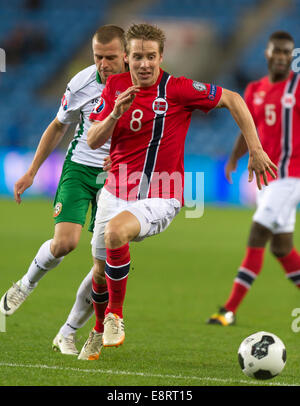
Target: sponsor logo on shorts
57, 209
199, 86
212, 93
160, 105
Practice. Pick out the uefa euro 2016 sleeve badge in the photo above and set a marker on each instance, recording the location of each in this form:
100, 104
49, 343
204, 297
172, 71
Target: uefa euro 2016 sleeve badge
100, 106
64, 102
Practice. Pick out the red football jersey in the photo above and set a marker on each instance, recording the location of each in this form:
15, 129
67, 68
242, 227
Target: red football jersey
147, 145
275, 108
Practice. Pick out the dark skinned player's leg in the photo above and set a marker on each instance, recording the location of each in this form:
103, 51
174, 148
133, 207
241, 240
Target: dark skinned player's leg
247, 273
250, 266
282, 247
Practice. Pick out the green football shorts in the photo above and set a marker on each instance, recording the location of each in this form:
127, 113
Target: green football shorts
78, 187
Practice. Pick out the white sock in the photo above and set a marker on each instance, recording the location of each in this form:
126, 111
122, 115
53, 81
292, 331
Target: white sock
42, 263
82, 308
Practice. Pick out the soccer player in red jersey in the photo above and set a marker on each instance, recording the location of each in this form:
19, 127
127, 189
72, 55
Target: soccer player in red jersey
146, 113
274, 102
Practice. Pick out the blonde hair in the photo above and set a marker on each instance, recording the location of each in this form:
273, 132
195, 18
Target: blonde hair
146, 32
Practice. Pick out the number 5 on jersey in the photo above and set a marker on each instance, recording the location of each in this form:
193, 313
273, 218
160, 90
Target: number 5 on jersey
270, 114
136, 120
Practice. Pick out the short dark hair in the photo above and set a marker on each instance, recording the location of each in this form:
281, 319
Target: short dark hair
281, 35
146, 32
107, 33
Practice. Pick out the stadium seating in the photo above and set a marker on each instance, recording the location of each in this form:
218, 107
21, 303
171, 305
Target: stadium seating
214, 135
251, 65
64, 27
222, 18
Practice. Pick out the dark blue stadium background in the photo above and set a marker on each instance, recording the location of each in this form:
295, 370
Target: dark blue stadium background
42, 37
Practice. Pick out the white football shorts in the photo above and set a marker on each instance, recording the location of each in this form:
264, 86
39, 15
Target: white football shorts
277, 205
154, 215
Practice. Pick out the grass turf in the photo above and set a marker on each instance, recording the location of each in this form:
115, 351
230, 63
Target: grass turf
177, 280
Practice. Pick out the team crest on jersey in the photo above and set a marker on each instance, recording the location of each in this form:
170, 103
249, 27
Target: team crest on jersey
64, 102
57, 209
288, 100
100, 106
258, 97
199, 86
160, 105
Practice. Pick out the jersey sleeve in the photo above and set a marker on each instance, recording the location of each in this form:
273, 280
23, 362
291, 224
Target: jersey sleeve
69, 110
196, 95
105, 106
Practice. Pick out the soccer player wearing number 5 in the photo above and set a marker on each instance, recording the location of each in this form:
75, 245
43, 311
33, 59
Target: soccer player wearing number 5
81, 179
146, 113
274, 102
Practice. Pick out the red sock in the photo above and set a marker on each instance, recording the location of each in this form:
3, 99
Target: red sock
291, 265
248, 271
116, 274
100, 300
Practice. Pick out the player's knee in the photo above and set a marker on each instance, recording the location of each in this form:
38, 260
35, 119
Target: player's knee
114, 236
259, 235
62, 246
281, 244
280, 250
99, 273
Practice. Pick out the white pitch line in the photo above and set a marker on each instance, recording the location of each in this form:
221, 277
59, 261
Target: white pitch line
144, 374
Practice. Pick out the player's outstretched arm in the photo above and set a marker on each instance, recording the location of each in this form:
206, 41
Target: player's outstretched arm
240, 149
48, 142
259, 162
101, 131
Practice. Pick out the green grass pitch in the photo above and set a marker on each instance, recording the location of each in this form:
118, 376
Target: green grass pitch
176, 282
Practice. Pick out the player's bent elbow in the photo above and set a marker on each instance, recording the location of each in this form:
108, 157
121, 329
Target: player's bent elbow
92, 141
57, 127
93, 137
230, 99
92, 144
235, 98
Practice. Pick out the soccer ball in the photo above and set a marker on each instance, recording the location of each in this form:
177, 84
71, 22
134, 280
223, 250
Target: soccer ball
262, 355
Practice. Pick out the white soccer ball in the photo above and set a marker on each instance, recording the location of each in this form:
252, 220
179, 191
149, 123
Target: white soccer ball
262, 355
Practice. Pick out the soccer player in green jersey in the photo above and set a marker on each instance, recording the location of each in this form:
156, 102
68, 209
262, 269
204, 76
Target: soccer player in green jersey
81, 179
